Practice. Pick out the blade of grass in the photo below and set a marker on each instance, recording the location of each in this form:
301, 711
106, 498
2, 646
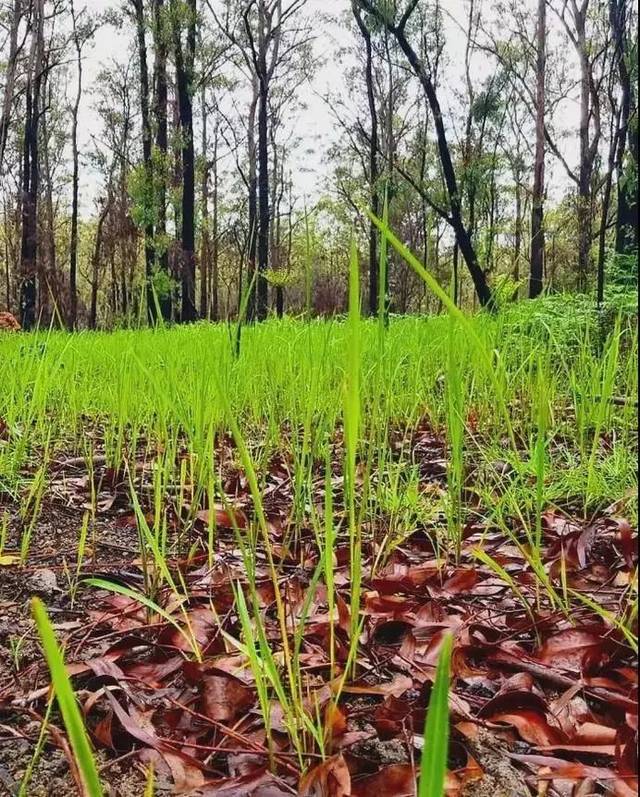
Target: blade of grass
111, 586
433, 766
67, 701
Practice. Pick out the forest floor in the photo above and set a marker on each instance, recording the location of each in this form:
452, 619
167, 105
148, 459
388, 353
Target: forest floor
538, 587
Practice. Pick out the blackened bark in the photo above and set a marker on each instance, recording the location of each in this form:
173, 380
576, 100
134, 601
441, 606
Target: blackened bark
10, 76
75, 180
146, 156
161, 143
252, 207
95, 263
373, 162
537, 200
204, 236
455, 217
31, 172
626, 241
584, 184
184, 61
606, 203
279, 301
263, 195
456, 278
517, 248
215, 278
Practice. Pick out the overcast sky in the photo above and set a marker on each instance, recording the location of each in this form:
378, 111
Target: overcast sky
316, 124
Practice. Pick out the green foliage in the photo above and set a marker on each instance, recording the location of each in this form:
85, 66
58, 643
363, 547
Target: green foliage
622, 272
163, 284
142, 195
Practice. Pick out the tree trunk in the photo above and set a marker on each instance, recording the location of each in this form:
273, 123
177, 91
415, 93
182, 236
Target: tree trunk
95, 264
75, 180
626, 241
215, 277
588, 149
10, 77
517, 249
602, 235
373, 162
279, 301
146, 156
161, 143
263, 198
455, 218
31, 173
184, 76
205, 239
456, 278
47, 262
537, 199
252, 207
584, 186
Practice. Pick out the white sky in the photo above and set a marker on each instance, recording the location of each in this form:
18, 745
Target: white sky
316, 124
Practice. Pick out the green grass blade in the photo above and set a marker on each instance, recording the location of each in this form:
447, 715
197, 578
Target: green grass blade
102, 583
66, 701
433, 767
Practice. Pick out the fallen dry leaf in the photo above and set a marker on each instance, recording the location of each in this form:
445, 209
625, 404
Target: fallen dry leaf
329, 779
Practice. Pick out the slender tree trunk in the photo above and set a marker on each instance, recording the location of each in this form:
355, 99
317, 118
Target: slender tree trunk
95, 265
279, 301
161, 144
114, 283
602, 235
615, 143
517, 253
263, 198
215, 277
7, 271
584, 187
75, 181
10, 77
252, 206
373, 162
537, 199
184, 75
626, 241
31, 172
456, 276
455, 217
146, 155
588, 148
47, 260
205, 237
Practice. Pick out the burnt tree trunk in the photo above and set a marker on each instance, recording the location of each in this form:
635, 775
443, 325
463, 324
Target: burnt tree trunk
215, 277
626, 241
10, 77
31, 172
252, 207
454, 218
373, 163
184, 60
205, 247
95, 263
263, 194
161, 145
75, 181
537, 200
146, 156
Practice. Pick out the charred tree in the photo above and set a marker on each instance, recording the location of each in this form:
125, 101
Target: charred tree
30, 169
537, 199
184, 63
